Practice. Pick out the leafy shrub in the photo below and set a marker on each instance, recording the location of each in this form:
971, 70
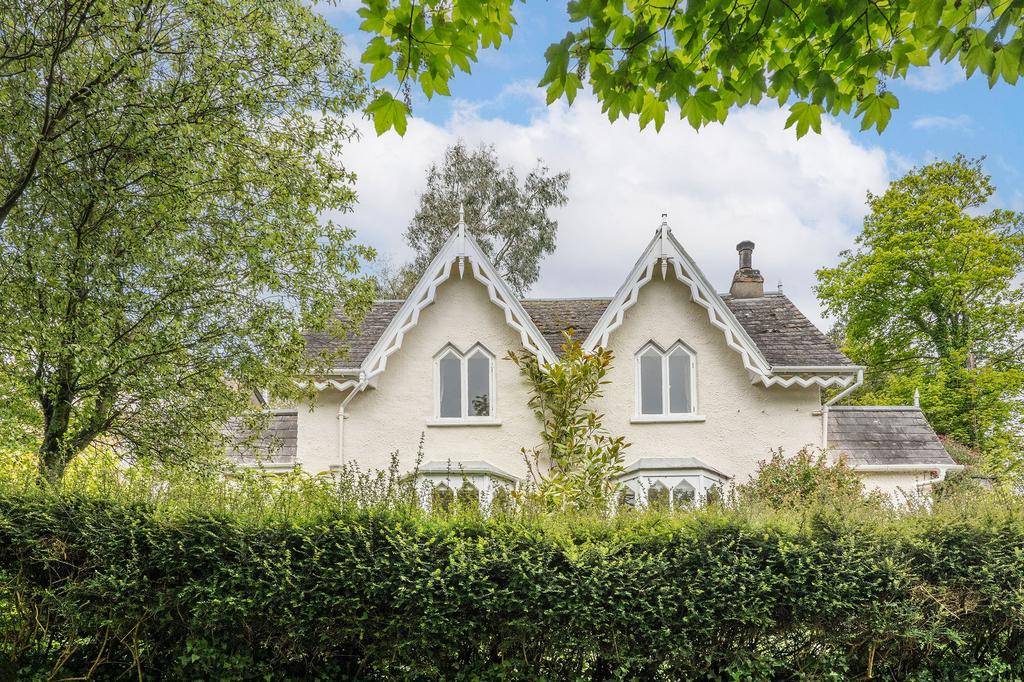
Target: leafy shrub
808, 477
576, 468
122, 587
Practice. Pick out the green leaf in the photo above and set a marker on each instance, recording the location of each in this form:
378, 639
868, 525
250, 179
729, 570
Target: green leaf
653, 110
700, 108
876, 110
380, 69
388, 113
806, 117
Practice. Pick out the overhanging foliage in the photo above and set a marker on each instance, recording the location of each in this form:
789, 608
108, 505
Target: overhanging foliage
707, 57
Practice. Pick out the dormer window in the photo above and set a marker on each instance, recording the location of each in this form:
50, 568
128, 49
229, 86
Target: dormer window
666, 385
465, 384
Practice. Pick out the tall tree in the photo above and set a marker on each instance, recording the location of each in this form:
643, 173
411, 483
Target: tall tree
508, 218
931, 299
165, 162
707, 57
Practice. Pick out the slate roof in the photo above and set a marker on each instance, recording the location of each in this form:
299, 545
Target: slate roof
662, 463
555, 315
275, 445
782, 333
359, 344
884, 435
776, 326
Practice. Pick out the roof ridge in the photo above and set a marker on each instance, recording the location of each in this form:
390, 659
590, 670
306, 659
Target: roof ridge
885, 408
568, 298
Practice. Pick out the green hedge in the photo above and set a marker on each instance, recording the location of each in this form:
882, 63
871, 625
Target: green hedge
120, 590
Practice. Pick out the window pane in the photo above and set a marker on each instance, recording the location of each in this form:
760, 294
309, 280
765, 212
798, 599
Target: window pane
479, 370
680, 389
657, 497
650, 383
451, 386
683, 495
441, 498
469, 496
500, 502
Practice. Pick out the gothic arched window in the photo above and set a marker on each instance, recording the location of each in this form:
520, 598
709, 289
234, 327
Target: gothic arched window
464, 383
666, 380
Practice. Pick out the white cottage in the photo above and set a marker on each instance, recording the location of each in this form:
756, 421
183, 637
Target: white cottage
704, 385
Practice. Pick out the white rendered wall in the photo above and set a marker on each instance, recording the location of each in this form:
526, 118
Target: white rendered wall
900, 486
743, 421
393, 415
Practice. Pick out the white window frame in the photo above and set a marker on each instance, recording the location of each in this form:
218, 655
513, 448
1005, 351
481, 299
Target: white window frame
465, 418
665, 416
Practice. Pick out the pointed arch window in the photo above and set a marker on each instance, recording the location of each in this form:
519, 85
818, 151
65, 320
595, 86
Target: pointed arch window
442, 498
666, 383
469, 496
464, 383
683, 495
658, 496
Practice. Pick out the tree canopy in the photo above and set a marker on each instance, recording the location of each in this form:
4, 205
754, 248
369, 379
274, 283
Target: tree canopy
165, 164
507, 216
930, 299
707, 57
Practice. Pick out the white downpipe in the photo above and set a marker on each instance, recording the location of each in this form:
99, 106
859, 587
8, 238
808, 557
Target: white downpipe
847, 391
341, 415
839, 396
824, 427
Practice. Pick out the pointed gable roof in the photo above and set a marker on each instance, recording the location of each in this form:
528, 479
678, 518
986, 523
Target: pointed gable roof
777, 343
457, 252
354, 346
663, 254
784, 335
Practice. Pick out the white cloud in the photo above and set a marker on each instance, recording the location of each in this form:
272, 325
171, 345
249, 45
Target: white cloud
942, 122
801, 201
936, 77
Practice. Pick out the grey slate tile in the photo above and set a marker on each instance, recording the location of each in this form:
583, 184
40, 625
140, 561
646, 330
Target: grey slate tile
780, 331
277, 444
884, 435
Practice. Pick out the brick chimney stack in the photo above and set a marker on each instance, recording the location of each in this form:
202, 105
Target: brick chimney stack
747, 282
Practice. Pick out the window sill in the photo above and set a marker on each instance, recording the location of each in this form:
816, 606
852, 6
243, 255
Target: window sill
462, 421
666, 418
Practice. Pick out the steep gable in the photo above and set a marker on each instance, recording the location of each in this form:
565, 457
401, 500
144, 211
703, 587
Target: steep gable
663, 256
460, 254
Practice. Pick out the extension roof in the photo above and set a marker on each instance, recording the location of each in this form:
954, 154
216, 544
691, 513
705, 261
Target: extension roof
885, 436
275, 445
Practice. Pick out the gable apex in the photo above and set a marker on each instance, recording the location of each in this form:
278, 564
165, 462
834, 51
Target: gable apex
665, 254
460, 254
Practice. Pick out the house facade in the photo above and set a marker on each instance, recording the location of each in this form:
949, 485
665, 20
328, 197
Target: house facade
703, 385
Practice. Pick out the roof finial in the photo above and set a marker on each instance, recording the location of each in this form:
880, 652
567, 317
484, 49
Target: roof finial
663, 233
462, 237
917, 397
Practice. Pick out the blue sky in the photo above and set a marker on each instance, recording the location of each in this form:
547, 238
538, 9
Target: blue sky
940, 114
